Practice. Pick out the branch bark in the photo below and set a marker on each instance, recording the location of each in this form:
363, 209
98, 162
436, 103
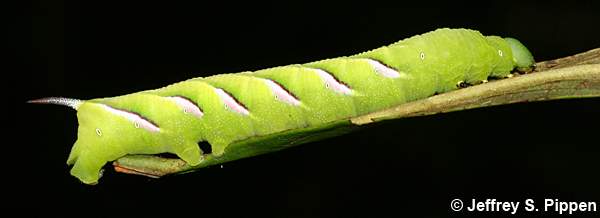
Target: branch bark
576, 76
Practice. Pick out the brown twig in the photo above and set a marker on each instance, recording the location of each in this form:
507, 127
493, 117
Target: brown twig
588, 57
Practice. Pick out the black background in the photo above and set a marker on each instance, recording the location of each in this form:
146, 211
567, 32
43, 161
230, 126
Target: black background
405, 168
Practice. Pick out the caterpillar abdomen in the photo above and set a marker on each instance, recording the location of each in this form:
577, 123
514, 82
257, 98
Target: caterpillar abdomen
228, 108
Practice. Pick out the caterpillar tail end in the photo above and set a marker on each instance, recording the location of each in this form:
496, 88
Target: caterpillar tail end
522, 58
69, 102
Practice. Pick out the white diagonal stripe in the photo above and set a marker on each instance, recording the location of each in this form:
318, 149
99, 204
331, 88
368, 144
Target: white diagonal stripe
231, 103
133, 117
281, 93
383, 70
187, 106
332, 83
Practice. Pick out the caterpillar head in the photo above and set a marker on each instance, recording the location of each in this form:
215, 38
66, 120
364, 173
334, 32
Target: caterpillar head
513, 55
522, 58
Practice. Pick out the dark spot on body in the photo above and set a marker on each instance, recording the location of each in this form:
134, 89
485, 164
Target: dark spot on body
167, 155
463, 84
205, 147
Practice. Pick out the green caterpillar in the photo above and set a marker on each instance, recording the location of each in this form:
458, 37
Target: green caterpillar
228, 108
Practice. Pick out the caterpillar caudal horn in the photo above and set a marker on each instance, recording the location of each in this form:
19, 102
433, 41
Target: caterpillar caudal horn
69, 102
